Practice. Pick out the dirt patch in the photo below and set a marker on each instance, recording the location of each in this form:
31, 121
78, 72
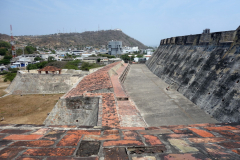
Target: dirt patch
27, 109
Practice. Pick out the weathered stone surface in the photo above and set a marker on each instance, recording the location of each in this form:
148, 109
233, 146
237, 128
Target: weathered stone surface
205, 71
144, 150
115, 153
65, 143
88, 148
182, 145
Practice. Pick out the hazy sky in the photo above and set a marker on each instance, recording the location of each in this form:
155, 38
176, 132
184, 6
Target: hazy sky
148, 21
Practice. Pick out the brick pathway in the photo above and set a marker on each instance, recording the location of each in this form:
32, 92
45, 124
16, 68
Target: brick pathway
192, 142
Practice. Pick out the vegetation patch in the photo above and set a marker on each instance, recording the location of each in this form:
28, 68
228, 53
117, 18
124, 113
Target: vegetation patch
86, 66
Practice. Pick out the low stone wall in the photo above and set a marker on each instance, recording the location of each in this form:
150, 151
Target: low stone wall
75, 111
32, 83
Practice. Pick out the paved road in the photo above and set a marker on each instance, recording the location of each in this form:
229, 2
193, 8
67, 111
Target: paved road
157, 105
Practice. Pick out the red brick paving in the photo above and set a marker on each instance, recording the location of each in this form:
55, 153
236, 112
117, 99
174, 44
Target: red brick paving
95, 81
50, 152
70, 140
152, 140
117, 86
114, 141
201, 132
37, 143
22, 137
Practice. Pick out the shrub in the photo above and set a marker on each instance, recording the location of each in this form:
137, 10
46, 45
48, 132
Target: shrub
72, 64
86, 66
9, 76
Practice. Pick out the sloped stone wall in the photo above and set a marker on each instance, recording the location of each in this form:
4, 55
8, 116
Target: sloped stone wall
31, 83
204, 68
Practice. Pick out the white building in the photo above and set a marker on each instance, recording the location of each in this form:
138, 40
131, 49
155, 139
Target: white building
22, 62
127, 49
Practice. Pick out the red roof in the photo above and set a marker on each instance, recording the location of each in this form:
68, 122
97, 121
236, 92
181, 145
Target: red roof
50, 68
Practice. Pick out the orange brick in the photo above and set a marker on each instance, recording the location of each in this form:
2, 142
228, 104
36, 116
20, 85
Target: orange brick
183, 131
201, 132
41, 131
207, 140
152, 140
221, 128
23, 137
50, 152
131, 135
28, 158
10, 153
123, 143
70, 140
236, 151
106, 132
85, 132
37, 143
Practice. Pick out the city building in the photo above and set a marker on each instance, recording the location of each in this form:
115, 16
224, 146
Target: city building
115, 48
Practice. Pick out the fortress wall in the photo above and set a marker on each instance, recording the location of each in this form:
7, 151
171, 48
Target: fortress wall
82, 105
31, 83
74, 111
206, 72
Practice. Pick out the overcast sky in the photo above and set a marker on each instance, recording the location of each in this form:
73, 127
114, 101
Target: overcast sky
148, 21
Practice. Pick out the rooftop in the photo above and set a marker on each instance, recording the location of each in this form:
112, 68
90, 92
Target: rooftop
50, 68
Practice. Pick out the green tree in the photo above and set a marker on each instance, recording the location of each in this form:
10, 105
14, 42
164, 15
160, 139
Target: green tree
9, 76
72, 64
140, 55
5, 44
30, 49
6, 60
19, 51
38, 59
37, 65
51, 59
106, 55
125, 57
3, 51
53, 52
86, 66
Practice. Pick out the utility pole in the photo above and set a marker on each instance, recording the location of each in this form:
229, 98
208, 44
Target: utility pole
12, 43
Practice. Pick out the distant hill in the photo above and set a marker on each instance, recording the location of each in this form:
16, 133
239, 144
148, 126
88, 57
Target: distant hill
90, 38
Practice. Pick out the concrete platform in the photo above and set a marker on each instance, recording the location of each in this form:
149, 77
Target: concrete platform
159, 106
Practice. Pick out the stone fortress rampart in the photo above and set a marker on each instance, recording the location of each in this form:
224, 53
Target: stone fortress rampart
33, 83
205, 68
92, 102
